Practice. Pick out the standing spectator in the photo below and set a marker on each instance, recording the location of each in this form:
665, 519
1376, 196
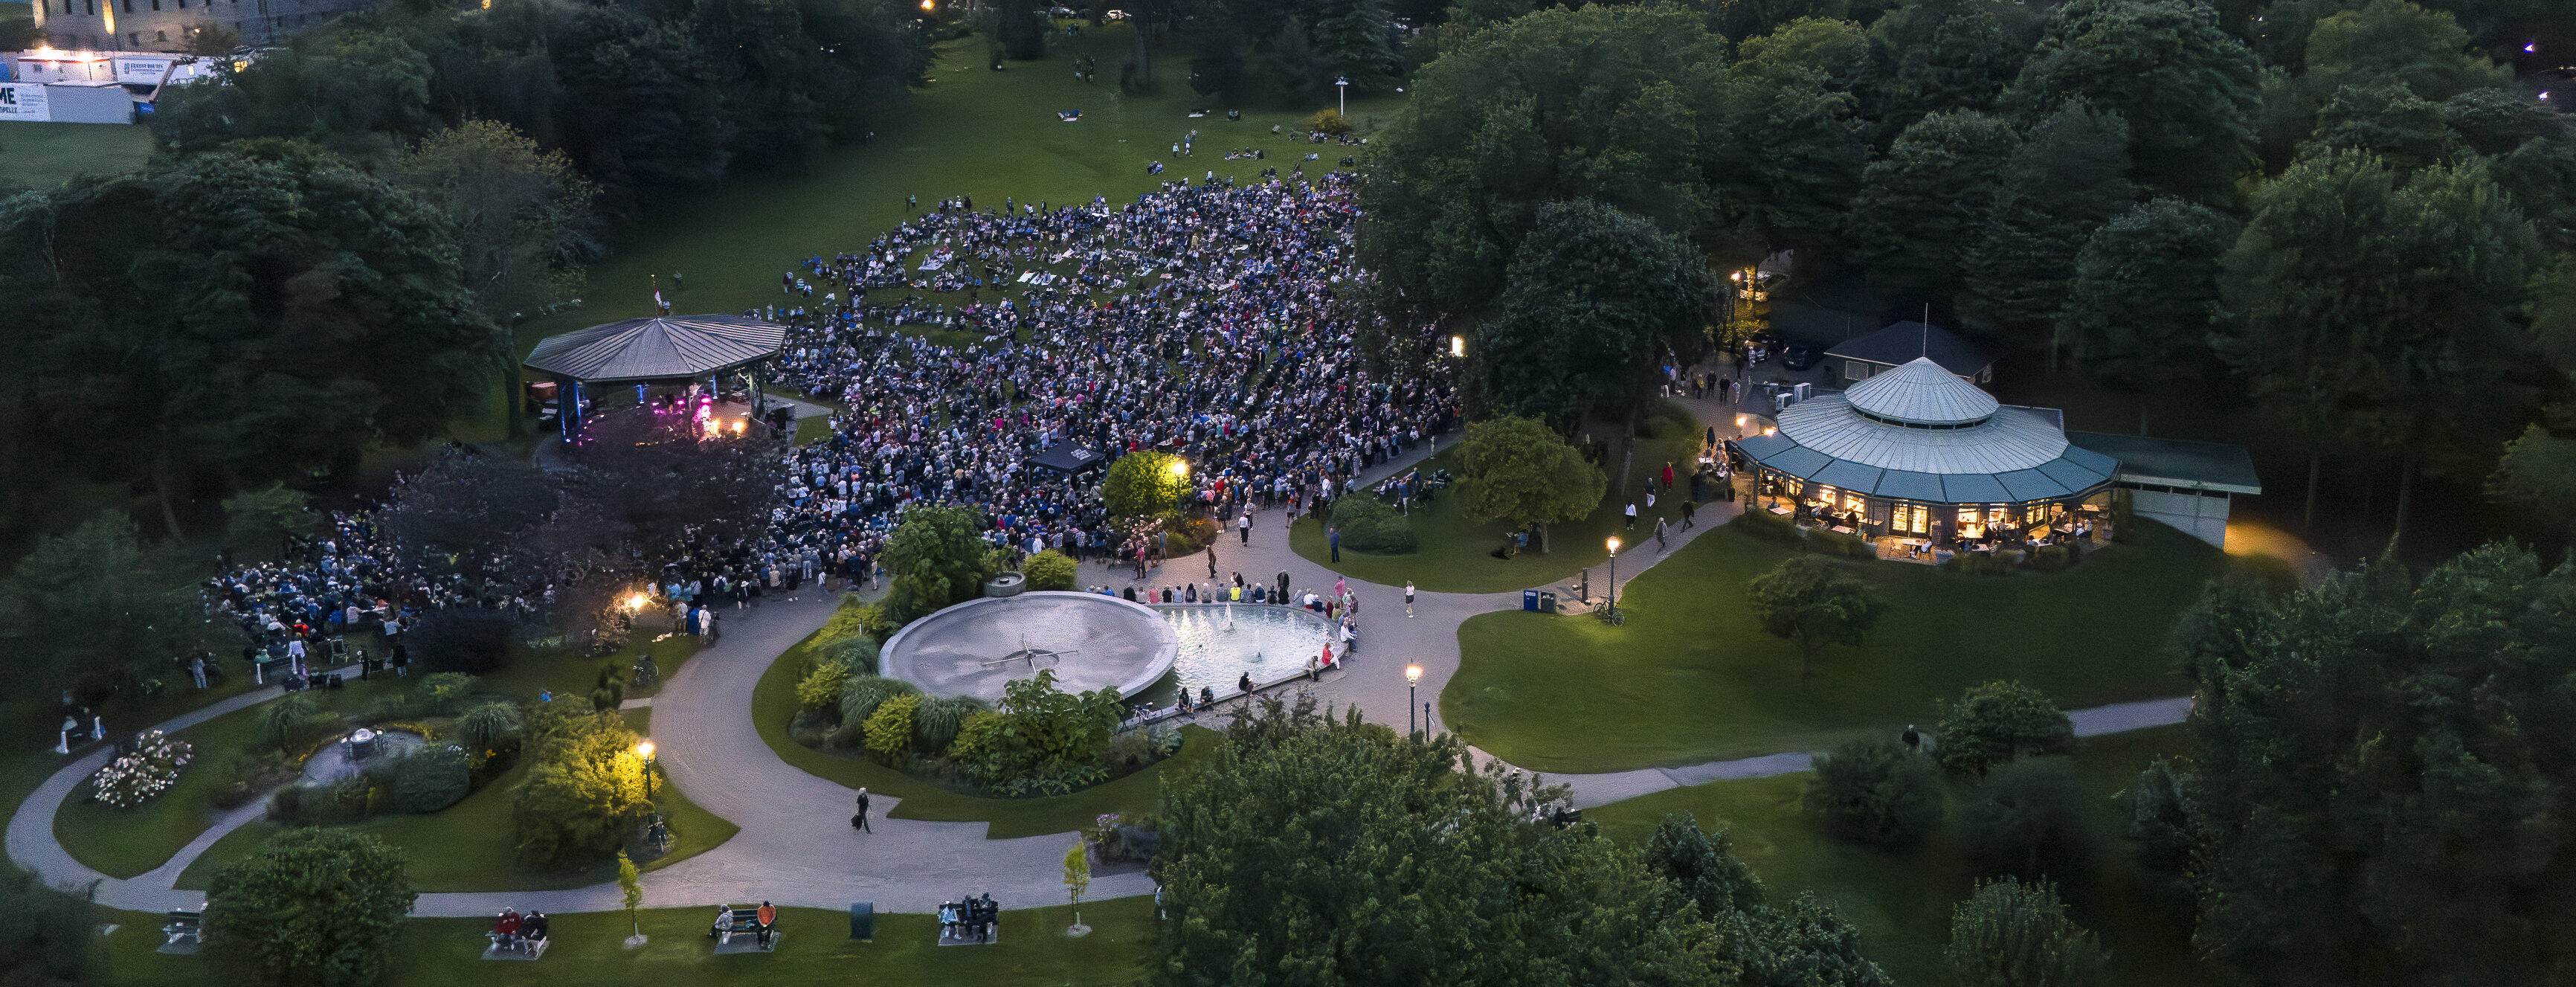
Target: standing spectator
860, 821
1632, 514
1408, 599
1243, 526
1333, 536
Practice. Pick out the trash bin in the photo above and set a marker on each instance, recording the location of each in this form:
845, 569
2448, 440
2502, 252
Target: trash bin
1547, 601
1529, 600
863, 920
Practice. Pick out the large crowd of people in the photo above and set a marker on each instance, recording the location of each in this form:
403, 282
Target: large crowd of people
1200, 320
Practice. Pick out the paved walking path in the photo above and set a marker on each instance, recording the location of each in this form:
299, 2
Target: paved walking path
796, 847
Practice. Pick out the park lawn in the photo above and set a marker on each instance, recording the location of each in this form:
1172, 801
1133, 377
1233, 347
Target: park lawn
124, 843
1901, 901
773, 705
1691, 677
814, 947
972, 132
1456, 555
473, 846
44, 155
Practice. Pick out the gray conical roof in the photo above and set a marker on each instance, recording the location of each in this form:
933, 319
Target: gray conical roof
1921, 393
660, 348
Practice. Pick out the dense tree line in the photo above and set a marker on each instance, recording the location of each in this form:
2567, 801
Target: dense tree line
2342, 209
644, 97
1321, 850
2381, 776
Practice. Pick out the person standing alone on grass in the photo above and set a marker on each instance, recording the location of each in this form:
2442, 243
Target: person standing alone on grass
860, 822
1632, 514
1334, 537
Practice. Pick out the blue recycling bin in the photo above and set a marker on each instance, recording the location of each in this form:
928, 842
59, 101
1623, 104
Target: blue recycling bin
863, 920
1529, 600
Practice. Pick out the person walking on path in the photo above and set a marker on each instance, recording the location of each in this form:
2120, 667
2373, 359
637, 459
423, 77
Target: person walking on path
1690, 512
1211, 554
1333, 536
1661, 528
860, 822
1408, 599
1632, 514
1243, 526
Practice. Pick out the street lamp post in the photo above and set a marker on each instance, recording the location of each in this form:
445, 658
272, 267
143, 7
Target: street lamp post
1342, 87
646, 749
1614, 574
1412, 680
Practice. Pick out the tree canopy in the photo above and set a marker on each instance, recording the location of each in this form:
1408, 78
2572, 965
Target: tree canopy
314, 907
938, 556
1391, 866
1598, 300
1812, 602
99, 604
1516, 470
2380, 783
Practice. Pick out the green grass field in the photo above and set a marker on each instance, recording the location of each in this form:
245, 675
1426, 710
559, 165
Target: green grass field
773, 705
43, 155
972, 132
1455, 555
1691, 677
1901, 901
814, 948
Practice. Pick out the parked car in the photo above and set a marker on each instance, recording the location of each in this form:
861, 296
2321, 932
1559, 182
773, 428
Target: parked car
1800, 356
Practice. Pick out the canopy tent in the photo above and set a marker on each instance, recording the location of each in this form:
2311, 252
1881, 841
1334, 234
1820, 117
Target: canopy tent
668, 348
1067, 457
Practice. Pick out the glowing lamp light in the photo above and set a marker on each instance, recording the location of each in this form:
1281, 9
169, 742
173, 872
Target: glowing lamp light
1458, 346
1179, 468
1614, 544
2532, 47
635, 601
645, 749
1412, 674
925, 5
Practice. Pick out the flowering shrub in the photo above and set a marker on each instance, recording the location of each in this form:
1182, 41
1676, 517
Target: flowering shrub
136, 778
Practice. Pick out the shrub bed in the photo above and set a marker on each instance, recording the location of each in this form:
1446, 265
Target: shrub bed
1367, 525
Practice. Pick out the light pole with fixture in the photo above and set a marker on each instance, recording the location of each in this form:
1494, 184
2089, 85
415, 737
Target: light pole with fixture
1412, 680
646, 750
1342, 86
1614, 575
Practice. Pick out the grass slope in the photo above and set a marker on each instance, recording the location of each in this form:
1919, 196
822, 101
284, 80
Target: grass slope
1691, 677
773, 705
1455, 555
44, 155
814, 948
1901, 901
973, 132
473, 845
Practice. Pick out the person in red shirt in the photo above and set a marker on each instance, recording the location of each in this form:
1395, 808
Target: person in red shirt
768, 916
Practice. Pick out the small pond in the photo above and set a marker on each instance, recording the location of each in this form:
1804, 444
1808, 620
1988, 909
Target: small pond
1220, 644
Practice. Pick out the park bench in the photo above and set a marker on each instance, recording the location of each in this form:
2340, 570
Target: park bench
524, 949
743, 923
183, 932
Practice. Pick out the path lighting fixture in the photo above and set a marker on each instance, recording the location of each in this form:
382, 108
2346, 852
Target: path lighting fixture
635, 602
1458, 346
1180, 468
1412, 679
1614, 573
645, 750
925, 5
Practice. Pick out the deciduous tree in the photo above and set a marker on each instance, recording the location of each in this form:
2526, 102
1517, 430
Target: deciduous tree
2011, 934
311, 908
1999, 722
1516, 470
2139, 311
1598, 298
2066, 180
1876, 791
2186, 87
1813, 602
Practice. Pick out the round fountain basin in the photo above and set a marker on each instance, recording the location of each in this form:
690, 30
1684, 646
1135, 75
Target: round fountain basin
1267, 642
1090, 641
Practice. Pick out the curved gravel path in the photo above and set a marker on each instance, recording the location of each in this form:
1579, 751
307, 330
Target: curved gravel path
796, 847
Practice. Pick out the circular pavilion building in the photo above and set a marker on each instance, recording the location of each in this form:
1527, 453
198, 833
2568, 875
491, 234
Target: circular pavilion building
1917, 454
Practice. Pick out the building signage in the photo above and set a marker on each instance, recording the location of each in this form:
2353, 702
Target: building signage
23, 101
134, 71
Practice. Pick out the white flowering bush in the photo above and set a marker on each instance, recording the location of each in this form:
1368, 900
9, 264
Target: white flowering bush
136, 778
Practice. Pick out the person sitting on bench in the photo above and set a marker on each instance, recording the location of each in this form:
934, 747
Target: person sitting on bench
532, 929
507, 929
768, 917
